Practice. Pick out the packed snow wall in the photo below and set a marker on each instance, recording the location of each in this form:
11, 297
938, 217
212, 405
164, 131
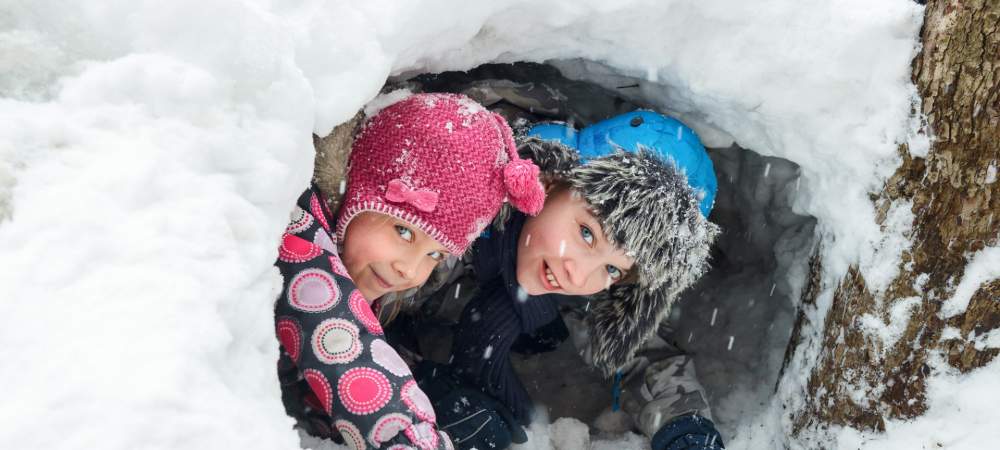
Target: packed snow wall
149, 153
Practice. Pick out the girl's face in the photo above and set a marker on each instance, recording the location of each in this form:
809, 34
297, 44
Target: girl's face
563, 250
384, 254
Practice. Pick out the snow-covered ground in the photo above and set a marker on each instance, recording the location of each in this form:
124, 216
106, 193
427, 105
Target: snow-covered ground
150, 152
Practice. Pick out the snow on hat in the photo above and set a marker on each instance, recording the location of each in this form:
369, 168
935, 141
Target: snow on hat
442, 163
652, 188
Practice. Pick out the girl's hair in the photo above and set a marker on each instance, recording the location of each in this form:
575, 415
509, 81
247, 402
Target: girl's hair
388, 310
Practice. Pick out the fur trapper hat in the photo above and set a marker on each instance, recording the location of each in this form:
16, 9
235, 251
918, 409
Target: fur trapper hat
647, 206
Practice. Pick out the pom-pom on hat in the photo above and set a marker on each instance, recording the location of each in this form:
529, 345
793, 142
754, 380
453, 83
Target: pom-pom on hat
442, 163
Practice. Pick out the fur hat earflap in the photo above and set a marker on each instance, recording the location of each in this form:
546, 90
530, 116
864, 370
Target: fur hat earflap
646, 207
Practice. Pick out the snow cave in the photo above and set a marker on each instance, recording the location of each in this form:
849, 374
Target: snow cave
736, 322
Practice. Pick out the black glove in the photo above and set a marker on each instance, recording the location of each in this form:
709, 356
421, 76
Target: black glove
688, 432
471, 418
545, 339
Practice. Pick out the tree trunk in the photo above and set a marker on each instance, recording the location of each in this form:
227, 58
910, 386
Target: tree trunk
858, 381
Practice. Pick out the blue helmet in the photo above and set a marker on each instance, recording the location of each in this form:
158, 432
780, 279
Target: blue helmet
667, 137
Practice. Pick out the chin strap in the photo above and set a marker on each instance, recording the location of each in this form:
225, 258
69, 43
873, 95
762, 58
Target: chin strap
616, 391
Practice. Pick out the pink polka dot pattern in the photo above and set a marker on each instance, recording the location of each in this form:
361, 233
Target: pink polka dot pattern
338, 267
363, 390
317, 212
290, 335
352, 436
320, 387
388, 359
417, 401
363, 312
387, 427
323, 241
423, 435
313, 290
300, 221
335, 341
294, 249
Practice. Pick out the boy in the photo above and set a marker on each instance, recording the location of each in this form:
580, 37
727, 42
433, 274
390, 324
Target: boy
623, 232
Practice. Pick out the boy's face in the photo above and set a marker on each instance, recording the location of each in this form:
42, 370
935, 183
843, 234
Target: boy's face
563, 250
384, 254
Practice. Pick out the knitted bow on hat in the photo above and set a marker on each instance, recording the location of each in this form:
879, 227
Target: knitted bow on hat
422, 199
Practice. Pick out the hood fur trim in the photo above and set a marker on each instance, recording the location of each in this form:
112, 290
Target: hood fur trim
332, 155
647, 207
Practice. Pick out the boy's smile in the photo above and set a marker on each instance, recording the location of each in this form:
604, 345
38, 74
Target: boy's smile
548, 278
563, 250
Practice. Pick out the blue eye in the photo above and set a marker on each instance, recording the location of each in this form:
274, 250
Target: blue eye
437, 256
614, 272
404, 233
587, 235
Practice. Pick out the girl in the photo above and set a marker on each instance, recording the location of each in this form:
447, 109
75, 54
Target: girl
426, 176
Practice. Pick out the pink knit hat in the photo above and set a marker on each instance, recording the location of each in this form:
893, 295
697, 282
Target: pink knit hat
442, 163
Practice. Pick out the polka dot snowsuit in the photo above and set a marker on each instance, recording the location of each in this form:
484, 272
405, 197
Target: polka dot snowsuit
337, 371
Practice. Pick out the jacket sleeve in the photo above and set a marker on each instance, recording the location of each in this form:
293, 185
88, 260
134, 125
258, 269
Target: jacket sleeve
327, 329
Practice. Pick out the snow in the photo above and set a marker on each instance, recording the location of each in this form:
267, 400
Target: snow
973, 396
983, 266
150, 153
382, 101
883, 264
899, 317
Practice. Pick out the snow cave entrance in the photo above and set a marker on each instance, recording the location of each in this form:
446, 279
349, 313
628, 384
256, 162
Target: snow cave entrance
737, 321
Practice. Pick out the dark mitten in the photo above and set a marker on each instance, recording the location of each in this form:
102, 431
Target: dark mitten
545, 339
688, 432
471, 418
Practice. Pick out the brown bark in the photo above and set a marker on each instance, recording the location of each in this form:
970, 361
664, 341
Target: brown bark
856, 382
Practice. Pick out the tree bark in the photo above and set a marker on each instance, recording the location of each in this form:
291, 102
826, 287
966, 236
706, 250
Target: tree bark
859, 381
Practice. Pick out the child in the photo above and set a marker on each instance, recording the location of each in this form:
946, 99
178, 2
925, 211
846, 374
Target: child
623, 232
426, 175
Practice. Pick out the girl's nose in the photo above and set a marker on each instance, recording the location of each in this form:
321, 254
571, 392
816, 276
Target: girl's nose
406, 268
